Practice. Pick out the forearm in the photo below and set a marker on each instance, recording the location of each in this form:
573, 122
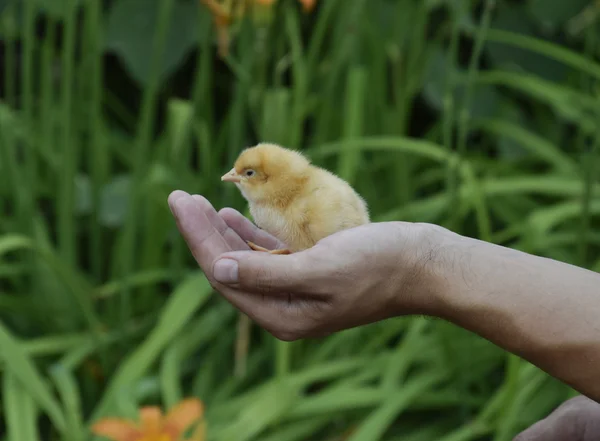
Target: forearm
545, 311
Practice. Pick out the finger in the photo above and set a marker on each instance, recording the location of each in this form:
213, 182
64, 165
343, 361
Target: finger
270, 274
248, 231
204, 240
174, 197
230, 236
540, 431
568, 422
206, 243
551, 430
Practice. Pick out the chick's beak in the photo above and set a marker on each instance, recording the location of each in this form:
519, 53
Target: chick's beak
231, 176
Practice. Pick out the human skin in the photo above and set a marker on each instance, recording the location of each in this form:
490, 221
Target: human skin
543, 310
577, 419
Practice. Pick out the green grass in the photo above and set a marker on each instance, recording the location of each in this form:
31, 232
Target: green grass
451, 116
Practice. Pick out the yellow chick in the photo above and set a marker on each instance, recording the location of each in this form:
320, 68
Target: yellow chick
292, 199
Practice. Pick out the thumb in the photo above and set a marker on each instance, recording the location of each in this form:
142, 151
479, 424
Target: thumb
265, 273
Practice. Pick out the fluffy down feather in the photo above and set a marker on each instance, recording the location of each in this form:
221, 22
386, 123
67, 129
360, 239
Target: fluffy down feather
292, 199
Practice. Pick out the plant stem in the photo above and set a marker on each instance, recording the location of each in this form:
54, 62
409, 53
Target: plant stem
140, 157
463, 128
588, 158
449, 104
67, 231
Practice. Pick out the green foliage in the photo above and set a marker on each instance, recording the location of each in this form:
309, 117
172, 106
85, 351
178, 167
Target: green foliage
480, 116
131, 26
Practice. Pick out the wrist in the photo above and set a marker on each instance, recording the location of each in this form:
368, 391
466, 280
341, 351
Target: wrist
429, 262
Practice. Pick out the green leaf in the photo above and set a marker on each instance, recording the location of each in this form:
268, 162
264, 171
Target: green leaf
299, 431
54, 309
485, 99
549, 185
339, 400
276, 115
570, 104
24, 370
538, 147
4, 4
184, 302
398, 144
202, 331
54, 344
9, 118
83, 195
180, 118
354, 115
19, 410
55, 8
13, 242
266, 409
68, 277
115, 200
534, 46
554, 13
544, 219
375, 425
130, 34
514, 18
66, 385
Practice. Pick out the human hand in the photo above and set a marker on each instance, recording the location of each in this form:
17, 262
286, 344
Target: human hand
577, 419
351, 278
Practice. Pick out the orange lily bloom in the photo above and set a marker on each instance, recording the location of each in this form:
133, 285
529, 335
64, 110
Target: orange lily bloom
223, 16
308, 5
154, 426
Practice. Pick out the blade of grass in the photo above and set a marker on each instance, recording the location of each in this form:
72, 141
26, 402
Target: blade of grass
67, 228
300, 87
184, 302
356, 87
298, 431
588, 160
448, 101
142, 144
24, 370
202, 332
10, 41
403, 355
375, 425
398, 144
537, 145
66, 385
464, 114
78, 286
100, 154
27, 103
552, 50
19, 410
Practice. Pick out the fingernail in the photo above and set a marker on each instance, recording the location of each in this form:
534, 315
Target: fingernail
226, 271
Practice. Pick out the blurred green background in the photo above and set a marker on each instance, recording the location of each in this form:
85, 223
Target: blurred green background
481, 116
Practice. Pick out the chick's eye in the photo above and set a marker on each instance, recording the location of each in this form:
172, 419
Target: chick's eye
249, 173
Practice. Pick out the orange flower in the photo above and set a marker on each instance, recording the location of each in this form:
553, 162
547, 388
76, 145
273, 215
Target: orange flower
222, 18
308, 5
224, 14
154, 426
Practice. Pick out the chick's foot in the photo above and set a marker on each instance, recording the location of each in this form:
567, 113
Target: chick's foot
259, 248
